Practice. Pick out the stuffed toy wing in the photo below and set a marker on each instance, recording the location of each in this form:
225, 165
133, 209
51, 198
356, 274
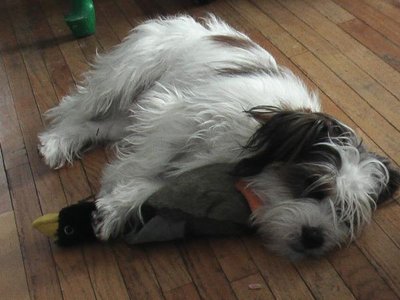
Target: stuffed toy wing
201, 202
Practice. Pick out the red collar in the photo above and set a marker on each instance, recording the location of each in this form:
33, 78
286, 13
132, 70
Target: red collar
252, 199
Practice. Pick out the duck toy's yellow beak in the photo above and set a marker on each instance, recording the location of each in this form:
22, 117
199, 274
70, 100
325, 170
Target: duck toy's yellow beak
47, 224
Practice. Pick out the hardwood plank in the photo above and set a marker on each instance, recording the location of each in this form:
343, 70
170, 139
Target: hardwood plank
5, 199
331, 10
365, 59
228, 14
388, 218
323, 280
278, 272
73, 273
137, 272
40, 268
373, 17
393, 3
47, 183
104, 272
104, 34
72, 177
372, 92
15, 158
132, 11
74, 60
366, 271
115, 18
243, 290
373, 40
388, 9
68, 46
327, 104
186, 292
25, 106
248, 10
10, 133
205, 270
13, 283
379, 130
150, 9
168, 266
94, 163
382, 253
233, 258
360, 276
268, 28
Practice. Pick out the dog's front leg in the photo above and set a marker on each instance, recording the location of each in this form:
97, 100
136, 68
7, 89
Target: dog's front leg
122, 204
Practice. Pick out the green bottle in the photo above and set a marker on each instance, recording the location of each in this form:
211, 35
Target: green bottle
81, 19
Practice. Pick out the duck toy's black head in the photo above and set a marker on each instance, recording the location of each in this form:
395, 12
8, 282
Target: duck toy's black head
71, 226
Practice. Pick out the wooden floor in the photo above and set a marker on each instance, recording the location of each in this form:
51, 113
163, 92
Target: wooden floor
348, 50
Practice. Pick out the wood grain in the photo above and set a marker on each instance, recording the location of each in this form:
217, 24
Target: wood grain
138, 273
375, 41
360, 276
13, 283
206, 271
5, 199
186, 292
373, 17
278, 272
331, 10
244, 290
383, 134
233, 258
364, 58
40, 268
347, 51
168, 266
323, 280
372, 92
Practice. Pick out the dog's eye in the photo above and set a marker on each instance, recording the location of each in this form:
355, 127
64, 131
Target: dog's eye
318, 194
317, 189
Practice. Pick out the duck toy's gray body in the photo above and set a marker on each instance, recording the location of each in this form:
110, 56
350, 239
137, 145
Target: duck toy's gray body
201, 202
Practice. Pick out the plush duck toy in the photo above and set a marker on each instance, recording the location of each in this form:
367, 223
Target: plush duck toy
207, 201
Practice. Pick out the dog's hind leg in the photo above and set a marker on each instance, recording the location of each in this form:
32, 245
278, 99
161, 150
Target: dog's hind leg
99, 108
62, 142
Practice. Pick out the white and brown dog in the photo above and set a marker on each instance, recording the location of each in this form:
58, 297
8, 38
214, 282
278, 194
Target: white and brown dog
177, 94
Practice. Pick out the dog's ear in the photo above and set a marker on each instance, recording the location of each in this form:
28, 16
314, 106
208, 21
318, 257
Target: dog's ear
286, 136
393, 184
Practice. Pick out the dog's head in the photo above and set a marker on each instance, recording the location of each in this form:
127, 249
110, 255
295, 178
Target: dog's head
319, 183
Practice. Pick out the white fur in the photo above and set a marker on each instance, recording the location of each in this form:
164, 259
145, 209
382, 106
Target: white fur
159, 94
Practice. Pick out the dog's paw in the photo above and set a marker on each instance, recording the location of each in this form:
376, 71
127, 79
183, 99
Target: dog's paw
53, 149
102, 223
107, 221
97, 225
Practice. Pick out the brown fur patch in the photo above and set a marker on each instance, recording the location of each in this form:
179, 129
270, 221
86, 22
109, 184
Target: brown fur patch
264, 113
233, 41
246, 69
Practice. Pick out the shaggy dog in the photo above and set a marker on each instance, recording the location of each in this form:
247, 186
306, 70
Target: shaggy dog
178, 94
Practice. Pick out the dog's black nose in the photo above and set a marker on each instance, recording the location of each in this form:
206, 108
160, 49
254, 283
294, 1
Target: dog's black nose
311, 237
